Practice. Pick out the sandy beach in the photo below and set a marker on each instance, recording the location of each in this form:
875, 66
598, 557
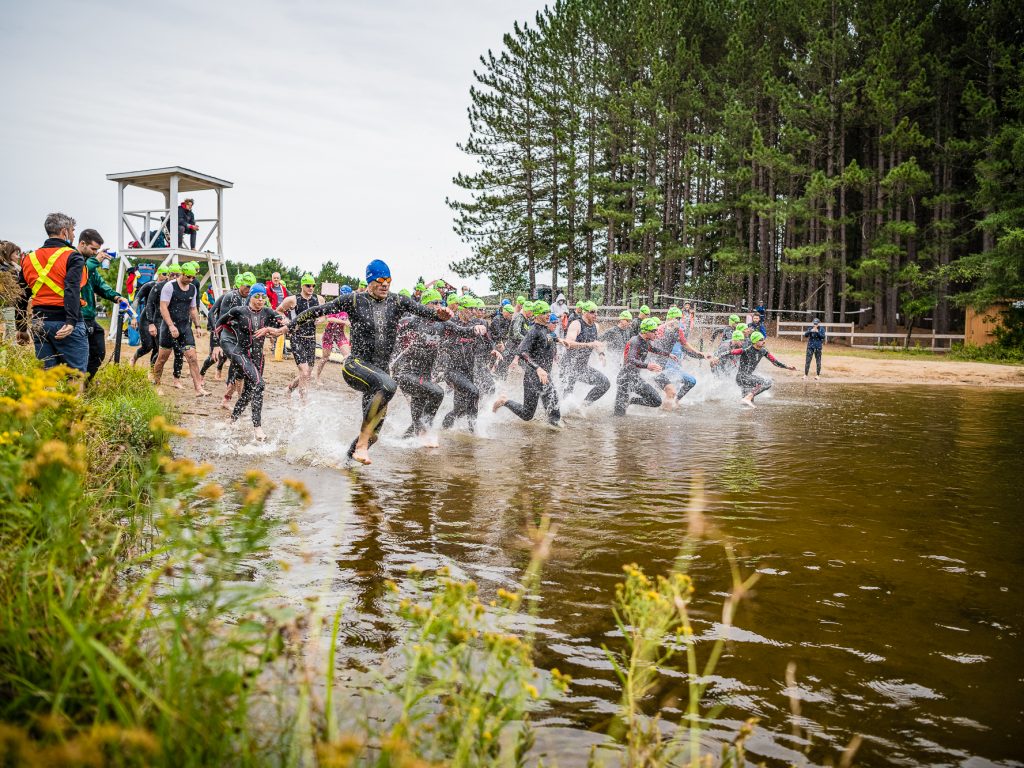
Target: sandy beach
849, 366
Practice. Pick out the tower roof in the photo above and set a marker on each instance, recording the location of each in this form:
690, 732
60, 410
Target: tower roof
159, 179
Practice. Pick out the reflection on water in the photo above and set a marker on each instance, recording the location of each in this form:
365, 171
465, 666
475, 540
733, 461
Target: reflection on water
884, 521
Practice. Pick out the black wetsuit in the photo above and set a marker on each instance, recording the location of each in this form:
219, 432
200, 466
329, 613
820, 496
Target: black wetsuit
303, 337
749, 357
537, 350
501, 329
723, 331
221, 307
482, 359
179, 308
374, 330
212, 322
630, 389
458, 361
727, 363
237, 329
616, 338
577, 366
420, 341
144, 304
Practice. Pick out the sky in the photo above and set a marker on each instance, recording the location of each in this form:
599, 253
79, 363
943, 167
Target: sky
337, 122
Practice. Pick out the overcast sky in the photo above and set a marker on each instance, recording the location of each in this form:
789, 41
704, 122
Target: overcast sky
336, 121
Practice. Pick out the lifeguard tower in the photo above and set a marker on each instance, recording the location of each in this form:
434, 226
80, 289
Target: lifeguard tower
155, 230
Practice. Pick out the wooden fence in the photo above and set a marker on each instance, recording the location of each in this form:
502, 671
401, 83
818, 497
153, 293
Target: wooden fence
936, 342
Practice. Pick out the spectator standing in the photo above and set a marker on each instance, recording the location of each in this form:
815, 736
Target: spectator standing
689, 321
10, 257
53, 277
10, 266
89, 244
276, 290
761, 322
815, 336
187, 223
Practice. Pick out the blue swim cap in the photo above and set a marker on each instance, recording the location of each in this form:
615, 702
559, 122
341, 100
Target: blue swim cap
346, 289
553, 318
258, 288
375, 269
505, 301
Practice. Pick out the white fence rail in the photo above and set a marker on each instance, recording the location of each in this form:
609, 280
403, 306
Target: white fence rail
936, 342
797, 328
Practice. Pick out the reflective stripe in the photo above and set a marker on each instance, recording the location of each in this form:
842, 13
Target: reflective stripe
43, 273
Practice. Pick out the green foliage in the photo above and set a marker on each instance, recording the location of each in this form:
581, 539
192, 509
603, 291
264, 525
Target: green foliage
330, 272
117, 572
127, 637
986, 353
788, 146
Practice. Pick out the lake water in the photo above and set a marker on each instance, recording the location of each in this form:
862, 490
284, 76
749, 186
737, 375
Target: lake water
886, 523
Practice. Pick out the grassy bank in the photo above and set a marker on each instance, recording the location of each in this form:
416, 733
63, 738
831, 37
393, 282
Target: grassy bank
130, 634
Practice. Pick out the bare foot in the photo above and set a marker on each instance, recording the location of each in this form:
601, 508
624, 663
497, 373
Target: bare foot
749, 402
160, 391
176, 383
225, 404
261, 436
498, 403
362, 455
219, 375
430, 441
202, 393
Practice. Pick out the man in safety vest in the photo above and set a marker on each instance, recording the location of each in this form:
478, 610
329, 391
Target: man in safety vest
53, 277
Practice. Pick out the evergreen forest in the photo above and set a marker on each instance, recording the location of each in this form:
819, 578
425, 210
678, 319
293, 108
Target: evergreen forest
861, 160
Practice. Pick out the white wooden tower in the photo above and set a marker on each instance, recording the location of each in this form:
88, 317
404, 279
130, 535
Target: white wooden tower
145, 226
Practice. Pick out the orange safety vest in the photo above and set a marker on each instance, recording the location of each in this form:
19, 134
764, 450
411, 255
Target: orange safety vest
44, 270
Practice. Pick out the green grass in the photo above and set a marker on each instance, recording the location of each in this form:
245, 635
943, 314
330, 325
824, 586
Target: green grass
127, 637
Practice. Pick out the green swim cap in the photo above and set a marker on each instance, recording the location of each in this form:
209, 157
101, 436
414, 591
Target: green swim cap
625, 315
248, 278
756, 336
645, 310
673, 313
404, 292
588, 306
738, 336
431, 296
362, 284
162, 270
189, 268
528, 306
238, 280
520, 299
741, 327
422, 287
648, 325
541, 308
307, 279
453, 301
508, 308
733, 319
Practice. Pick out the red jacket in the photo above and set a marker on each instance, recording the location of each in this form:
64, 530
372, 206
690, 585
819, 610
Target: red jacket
272, 295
